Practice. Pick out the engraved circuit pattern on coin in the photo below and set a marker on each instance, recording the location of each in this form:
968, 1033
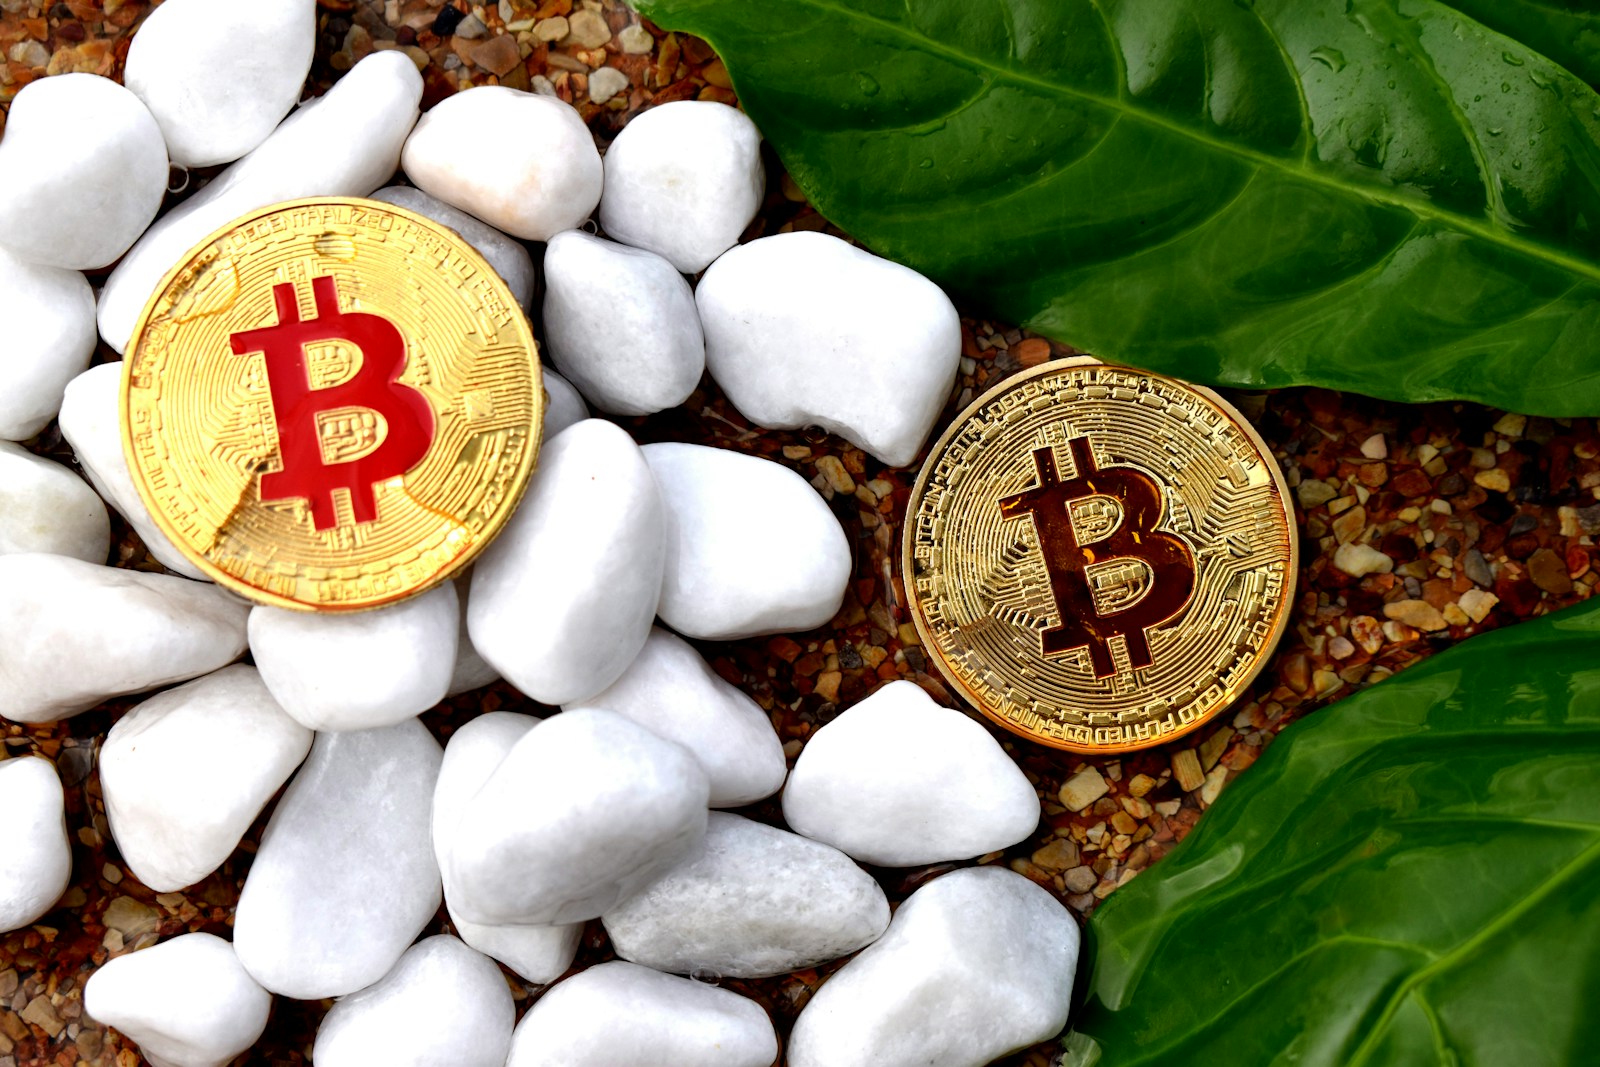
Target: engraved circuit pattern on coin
331, 404
1099, 558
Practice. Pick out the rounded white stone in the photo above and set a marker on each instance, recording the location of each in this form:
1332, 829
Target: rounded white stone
621, 324
505, 254
563, 406
218, 77
344, 143
751, 547
751, 901
583, 812
620, 1015
344, 879
977, 963
899, 781
44, 507
186, 772
76, 633
803, 329
471, 671
49, 338
670, 691
78, 200
562, 600
359, 670
187, 1001
522, 162
442, 1004
683, 179
35, 855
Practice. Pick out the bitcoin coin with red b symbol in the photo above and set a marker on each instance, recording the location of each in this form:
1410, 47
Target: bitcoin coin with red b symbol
1099, 558
331, 404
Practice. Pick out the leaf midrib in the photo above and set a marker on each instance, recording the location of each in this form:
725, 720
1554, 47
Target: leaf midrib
1461, 223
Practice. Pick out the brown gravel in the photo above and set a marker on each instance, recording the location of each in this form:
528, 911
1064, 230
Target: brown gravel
1481, 518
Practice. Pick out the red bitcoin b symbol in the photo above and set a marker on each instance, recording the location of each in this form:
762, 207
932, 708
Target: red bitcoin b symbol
407, 418
1135, 537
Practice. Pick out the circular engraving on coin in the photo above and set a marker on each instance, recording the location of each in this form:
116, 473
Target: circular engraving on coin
331, 404
1099, 558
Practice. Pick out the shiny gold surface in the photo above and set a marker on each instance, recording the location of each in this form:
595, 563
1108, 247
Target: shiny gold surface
331, 404
1099, 558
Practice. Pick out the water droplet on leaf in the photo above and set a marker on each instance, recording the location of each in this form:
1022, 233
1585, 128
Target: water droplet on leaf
1331, 58
1515, 61
867, 84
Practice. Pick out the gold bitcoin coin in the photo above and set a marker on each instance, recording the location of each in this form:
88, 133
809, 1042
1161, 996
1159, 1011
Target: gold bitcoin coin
331, 404
1099, 558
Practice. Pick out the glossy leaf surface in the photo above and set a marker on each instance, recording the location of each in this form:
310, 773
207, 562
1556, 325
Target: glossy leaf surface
1411, 876
1376, 195
1568, 31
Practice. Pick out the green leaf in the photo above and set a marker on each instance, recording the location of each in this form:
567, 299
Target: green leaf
1411, 876
1375, 195
1568, 31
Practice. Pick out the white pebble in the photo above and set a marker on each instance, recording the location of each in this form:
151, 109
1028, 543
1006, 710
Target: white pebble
673, 693
586, 810
751, 548
35, 855
44, 507
562, 600
683, 179
507, 256
442, 1004
976, 964
49, 317
76, 633
471, 671
564, 407
606, 83
219, 77
358, 670
621, 1015
863, 784
750, 902
344, 879
345, 143
1359, 560
522, 162
187, 1002
84, 169
186, 772
803, 329
621, 324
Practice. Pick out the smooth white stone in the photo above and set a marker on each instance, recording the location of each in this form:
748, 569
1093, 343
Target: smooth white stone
360, 670
563, 599
186, 772
442, 1004
84, 169
505, 254
538, 953
620, 1015
750, 902
218, 77
44, 507
35, 855
471, 671
670, 691
345, 143
563, 406
976, 964
344, 879
621, 324
751, 547
90, 423
899, 781
522, 162
76, 633
187, 1002
803, 329
49, 338
583, 812
684, 180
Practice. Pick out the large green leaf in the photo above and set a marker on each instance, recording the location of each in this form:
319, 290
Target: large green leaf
1411, 876
1568, 31
1376, 195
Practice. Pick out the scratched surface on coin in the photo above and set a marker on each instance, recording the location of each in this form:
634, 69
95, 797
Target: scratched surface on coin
1099, 558
331, 404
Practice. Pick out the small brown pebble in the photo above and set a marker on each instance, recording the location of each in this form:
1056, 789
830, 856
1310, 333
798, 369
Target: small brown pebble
1058, 855
1082, 789
1314, 493
1032, 351
1477, 604
1493, 479
1474, 566
1186, 769
589, 29
1341, 648
1140, 784
497, 55
1080, 879
1373, 475
41, 1014
1415, 613
1549, 572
